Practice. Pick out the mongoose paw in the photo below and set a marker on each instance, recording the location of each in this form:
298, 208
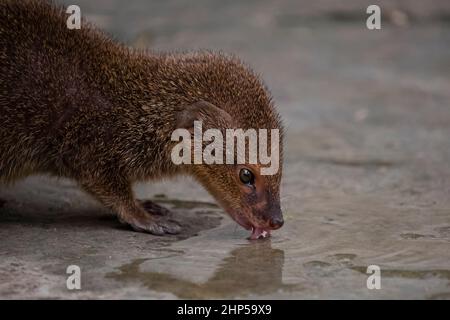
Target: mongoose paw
150, 224
169, 226
154, 208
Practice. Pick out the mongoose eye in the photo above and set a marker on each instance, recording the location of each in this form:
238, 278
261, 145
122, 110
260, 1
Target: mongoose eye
246, 177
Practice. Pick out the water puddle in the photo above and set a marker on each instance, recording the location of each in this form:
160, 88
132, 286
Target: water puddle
409, 274
255, 268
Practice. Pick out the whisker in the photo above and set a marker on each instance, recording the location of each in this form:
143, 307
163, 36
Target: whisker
286, 197
284, 204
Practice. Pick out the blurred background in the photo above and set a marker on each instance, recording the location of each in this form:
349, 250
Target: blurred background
366, 171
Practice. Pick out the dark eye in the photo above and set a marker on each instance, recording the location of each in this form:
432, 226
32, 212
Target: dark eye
246, 176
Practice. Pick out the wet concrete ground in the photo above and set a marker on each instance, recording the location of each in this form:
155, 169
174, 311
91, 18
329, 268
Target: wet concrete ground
366, 173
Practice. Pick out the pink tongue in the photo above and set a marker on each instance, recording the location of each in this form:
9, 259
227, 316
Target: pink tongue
258, 233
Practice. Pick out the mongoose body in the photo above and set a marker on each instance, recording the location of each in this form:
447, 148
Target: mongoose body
74, 103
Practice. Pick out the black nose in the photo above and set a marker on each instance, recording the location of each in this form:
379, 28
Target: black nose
276, 223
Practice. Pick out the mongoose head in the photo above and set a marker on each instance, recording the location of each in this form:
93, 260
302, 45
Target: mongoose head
251, 199
249, 194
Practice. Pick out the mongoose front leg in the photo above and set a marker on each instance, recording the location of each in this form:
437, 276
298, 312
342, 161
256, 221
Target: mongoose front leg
118, 196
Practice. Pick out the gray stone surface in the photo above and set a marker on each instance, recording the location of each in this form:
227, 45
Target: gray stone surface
366, 175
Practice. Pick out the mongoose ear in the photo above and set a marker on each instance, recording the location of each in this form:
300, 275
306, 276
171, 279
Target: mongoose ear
210, 115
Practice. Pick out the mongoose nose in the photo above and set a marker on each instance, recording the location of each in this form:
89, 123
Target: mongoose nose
276, 223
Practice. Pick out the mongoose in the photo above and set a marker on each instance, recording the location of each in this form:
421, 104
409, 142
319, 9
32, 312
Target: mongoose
76, 104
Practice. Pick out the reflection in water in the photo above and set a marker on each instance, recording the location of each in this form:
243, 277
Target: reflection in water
255, 268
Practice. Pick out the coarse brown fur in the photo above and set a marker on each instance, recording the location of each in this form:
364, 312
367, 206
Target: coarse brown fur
75, 104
